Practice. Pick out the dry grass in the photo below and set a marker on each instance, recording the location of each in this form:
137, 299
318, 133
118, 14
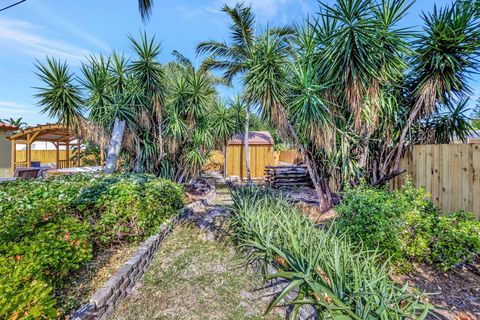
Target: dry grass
192, 278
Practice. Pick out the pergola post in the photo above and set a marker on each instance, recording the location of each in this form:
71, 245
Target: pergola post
102, 155
78, 152
57, 154
14, 156
29, 151
67, 153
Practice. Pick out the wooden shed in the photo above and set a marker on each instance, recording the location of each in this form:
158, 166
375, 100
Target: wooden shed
261, 155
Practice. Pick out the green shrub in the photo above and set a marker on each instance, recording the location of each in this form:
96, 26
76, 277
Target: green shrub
456, 239
49, 228
342, 280
405, 226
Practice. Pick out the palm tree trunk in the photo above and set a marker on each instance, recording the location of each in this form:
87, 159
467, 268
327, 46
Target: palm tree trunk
225, 158
245, 141
322, 187
403, 137
115, 146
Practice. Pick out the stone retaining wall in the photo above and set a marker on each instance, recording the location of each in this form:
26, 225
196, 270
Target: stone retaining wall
103, 302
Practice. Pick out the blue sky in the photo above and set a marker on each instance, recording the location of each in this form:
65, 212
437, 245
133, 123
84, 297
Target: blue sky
73, 29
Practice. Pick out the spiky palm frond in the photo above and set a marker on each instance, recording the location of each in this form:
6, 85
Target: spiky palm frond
447, 53
181, 59
19, 123
146, 67
222, 121
265, 82
363, 48
238, 110
61, 96
145, 7
310, 112
450, 124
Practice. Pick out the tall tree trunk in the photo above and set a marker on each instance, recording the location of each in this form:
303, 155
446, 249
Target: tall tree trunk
115, 146
403, 138
225, 158
246, 146
138, 159
321, 185
160, 130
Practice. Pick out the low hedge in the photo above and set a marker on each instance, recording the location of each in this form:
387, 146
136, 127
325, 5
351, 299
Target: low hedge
407, 227
49, 228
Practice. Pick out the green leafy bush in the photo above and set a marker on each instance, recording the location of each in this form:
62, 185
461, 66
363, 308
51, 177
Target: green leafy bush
406, 226
456, 239
341, 279
52, 227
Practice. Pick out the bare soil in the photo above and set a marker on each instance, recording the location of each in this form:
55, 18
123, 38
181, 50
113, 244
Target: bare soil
455, 294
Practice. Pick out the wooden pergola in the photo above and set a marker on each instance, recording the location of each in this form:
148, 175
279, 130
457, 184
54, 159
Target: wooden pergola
57, 134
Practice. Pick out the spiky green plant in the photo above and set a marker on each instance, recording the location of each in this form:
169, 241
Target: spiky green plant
61, 96
342, 280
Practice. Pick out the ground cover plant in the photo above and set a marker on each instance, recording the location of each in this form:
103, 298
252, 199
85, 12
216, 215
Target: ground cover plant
49, 228
407, 227
341, 279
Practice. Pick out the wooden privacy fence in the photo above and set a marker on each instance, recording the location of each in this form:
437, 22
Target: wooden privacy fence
44, 156
288, 156
260, 156
449, 172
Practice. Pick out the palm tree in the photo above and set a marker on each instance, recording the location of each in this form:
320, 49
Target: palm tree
142, 103
19, 123
267, 84
446, 54
150, 76
224, 128
60, 97
232, 57
145, 7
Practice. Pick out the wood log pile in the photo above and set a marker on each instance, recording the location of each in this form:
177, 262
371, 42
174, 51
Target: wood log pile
287, 176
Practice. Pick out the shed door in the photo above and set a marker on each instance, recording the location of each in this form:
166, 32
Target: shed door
260, 156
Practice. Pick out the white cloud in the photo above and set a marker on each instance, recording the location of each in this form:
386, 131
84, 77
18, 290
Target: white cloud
27, 38
56, 21
267, 11
10, 107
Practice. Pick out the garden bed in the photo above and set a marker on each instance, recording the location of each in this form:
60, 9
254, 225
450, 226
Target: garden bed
83, 283
61, 237
455, 294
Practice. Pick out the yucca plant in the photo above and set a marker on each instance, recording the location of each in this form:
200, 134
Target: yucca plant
142, 103
342, 280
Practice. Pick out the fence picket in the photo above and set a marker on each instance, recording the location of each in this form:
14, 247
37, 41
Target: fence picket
450, 173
